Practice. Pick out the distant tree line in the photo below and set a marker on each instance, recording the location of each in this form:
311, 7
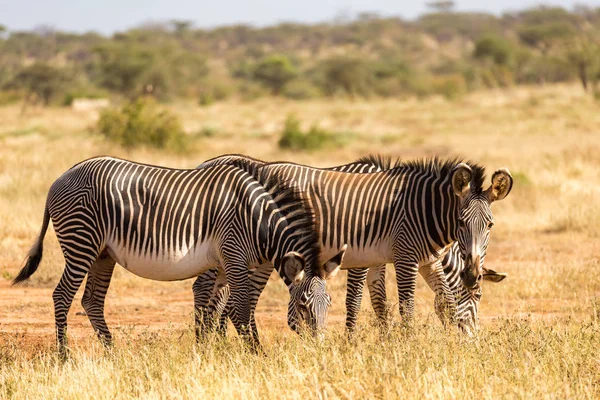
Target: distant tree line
443, 52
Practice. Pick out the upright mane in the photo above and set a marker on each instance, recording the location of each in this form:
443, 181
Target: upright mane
293, 205
380, 161
441, 168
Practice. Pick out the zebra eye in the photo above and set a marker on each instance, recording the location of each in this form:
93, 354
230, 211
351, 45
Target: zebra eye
490, 225
461, 222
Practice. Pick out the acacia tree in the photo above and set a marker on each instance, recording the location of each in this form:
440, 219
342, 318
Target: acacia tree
40, 82
274, 72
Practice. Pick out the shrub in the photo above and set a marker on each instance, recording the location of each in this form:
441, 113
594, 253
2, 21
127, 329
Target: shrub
346, 75
299, 89
140, 122
41, 80
274, 72
212, 92
494, 48
450, 86
293, 138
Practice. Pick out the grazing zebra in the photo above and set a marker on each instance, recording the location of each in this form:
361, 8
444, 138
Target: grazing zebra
444, 269
409, 214
170, 224
467, 300
209, 300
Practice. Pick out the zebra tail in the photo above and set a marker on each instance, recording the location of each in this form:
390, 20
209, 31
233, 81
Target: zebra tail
35, 254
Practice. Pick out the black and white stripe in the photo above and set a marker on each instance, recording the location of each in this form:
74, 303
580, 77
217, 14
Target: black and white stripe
170, 224
407, 215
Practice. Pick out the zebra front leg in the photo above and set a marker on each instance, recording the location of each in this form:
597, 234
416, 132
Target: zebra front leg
96, 287
258, 280
354, 293
445, 302
378, 294
407, 268
203, 289
239, 282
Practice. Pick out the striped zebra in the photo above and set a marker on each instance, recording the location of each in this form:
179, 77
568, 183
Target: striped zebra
171, 224
409, 214
445, 269
210, 295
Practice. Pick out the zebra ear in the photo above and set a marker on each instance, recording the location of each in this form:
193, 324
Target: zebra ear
493, 276
502, 182
293, 266
461, 178
332, 267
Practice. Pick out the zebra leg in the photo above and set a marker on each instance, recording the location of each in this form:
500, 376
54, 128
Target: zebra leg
377, 292
407, 268
354, 293
258, 280
76, 268
202, 288
238, 280
97, 284
445, 302
218, 301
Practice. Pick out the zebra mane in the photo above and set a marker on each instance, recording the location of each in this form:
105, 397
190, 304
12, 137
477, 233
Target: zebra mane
292, 205
230, 159
380, 161
441, 168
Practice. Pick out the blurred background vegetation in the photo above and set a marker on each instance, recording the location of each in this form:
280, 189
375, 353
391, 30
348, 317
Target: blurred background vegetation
441, 53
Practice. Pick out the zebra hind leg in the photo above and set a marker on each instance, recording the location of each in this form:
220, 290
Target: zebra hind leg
203, 289
70, 281
217, 307
354, 293
96, 287
378, 294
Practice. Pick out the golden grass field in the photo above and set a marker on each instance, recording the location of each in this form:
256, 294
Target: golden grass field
540, 327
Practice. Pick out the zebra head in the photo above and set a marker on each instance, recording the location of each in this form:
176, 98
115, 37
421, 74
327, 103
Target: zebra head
475, 218
467, 302
309, 301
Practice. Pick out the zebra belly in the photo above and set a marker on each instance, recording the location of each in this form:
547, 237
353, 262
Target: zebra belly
361, 257
170, 266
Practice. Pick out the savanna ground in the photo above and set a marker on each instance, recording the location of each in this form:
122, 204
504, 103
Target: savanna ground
540, 328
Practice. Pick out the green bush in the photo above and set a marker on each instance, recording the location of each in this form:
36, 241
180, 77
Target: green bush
450, 86
495, 48
299, 89
274, 72
346, 75
140, 122
293, 138
213, 92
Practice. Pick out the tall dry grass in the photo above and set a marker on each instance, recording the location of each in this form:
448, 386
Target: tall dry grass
540, 326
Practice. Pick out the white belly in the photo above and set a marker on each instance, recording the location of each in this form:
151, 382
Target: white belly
176, 265
361, 257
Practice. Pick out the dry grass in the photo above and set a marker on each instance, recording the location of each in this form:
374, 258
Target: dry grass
540, 326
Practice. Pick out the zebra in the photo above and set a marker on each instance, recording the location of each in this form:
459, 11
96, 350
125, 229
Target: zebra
209, 298
409, 214
444, 269
171, 224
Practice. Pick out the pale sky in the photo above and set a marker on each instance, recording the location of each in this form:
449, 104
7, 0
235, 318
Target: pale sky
109, 16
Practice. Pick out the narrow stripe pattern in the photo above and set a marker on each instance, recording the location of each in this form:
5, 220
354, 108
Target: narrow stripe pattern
408, 214
169, 224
